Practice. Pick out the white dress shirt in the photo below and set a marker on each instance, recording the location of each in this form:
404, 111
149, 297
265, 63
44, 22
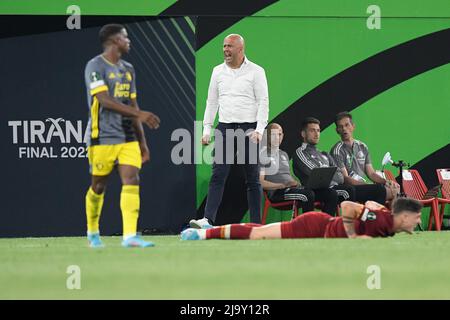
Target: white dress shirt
240, 95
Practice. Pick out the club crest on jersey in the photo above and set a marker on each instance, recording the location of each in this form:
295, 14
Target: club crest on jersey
371, 216
121, 90
95, 76
367, 215
128, 76
349, 160
111, 75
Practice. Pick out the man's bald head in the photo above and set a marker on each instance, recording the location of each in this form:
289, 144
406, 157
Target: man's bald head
237, 38
233, 50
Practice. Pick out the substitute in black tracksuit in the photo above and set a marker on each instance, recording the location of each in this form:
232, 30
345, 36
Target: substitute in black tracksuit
308, 157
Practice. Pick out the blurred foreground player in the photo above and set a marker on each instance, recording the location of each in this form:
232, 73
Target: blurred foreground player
115, 134
357, 221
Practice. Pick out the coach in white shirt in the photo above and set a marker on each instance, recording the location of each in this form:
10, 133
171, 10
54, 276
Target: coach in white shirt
238, 90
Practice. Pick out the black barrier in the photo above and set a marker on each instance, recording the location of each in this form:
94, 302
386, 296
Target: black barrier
44, 115
234, 309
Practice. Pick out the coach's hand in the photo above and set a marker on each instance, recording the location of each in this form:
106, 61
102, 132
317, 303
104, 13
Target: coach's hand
149, 118
206, 139
255, 136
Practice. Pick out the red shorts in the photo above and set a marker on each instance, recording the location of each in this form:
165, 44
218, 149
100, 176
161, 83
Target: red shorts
308, 225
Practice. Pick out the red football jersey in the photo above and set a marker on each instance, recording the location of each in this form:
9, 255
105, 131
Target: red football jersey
308, 225
377, 223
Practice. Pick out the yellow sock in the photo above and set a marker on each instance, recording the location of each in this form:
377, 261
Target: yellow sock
94, 204
129, 204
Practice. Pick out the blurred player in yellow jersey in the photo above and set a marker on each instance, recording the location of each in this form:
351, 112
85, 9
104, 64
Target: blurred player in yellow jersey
115, 134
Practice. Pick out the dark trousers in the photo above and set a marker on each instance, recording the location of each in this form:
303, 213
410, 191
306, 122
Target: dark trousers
221, 168
331, 197
345, 192
304, 197
374, 192
361, 192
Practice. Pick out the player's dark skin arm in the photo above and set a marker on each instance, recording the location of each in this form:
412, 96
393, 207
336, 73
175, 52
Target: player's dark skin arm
140, 134
148, 118
350, 212
127, 173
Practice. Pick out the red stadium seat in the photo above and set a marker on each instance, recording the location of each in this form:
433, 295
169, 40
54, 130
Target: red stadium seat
284, 205
414, 187
444, 180
389, 175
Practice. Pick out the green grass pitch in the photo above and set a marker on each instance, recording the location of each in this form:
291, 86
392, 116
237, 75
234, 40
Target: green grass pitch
412, 267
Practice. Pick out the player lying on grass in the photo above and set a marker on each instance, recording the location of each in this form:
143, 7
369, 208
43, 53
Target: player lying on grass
357, 221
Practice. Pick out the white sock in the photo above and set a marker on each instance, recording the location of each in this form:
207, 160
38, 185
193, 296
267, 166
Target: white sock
202, 233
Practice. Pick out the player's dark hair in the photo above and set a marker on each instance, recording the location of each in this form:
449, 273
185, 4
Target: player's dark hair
400, 205
109, 30
342, 115
307, 121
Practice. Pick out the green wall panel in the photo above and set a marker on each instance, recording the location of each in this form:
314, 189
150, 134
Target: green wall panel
89, 7
299, 53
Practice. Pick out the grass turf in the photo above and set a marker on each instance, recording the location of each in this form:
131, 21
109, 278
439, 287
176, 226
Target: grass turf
412, 267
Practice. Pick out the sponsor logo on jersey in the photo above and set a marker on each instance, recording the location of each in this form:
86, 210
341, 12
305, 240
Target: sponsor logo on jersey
121, 90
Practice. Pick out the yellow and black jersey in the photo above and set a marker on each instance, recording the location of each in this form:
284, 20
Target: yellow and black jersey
106, 126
